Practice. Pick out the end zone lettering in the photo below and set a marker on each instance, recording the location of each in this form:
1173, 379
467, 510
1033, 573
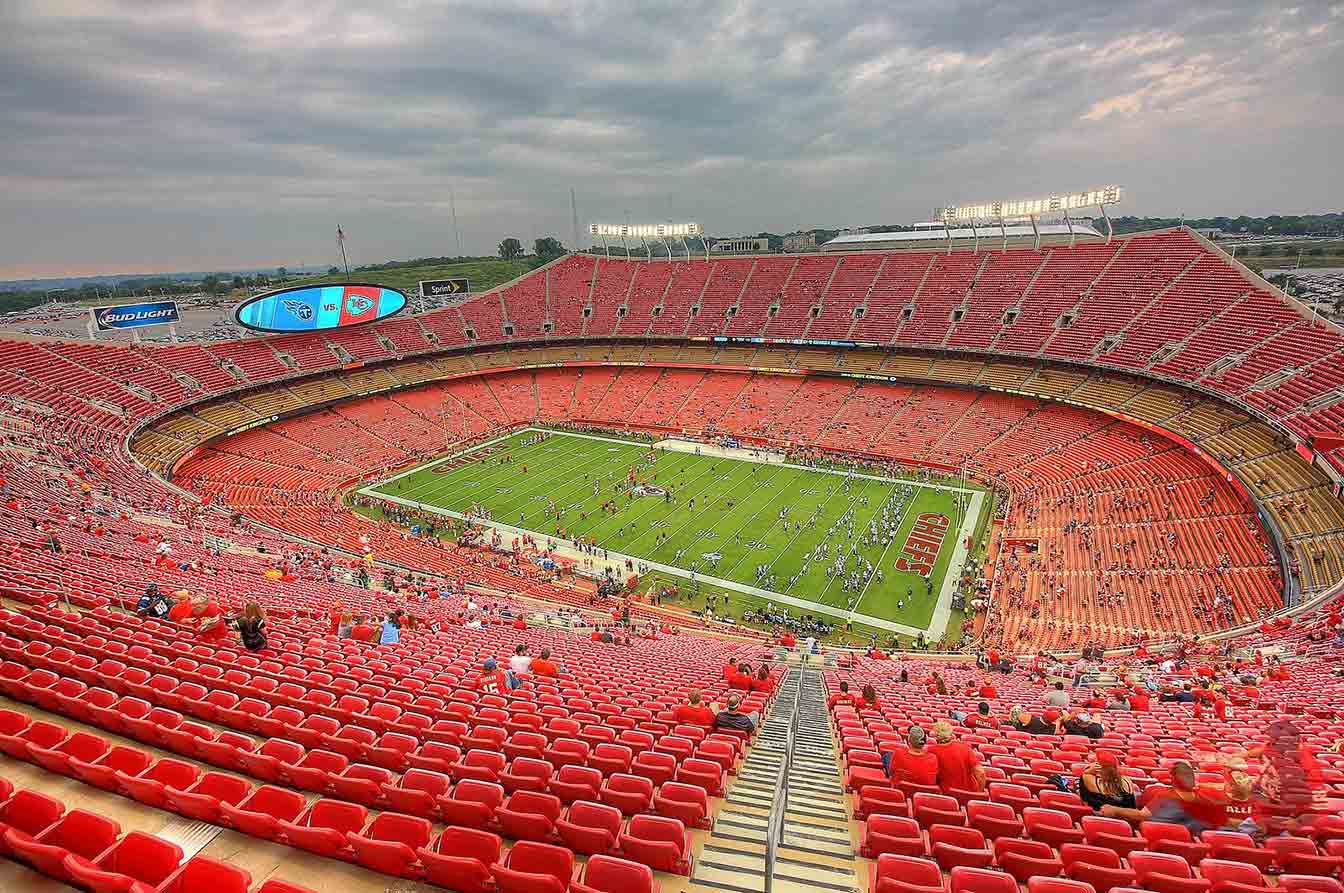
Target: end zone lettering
923, 544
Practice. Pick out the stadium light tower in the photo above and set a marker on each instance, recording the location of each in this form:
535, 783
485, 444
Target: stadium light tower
645, 231
1032, 209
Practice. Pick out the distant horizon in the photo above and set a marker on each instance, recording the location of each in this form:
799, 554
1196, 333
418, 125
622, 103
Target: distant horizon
7, 277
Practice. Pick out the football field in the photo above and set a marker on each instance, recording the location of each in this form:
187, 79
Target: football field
885, 551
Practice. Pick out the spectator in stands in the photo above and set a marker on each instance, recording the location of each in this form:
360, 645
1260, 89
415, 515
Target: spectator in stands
1238, 795
544, 666
1184, 803
987, 690
980, 719
1290, 778
1023, 720
336, 616
490, 680
208, 618
1118, 701
763, 683
1102, 787
840, 697
1138, 700
1079, 722
1184, 696
345, 629
694, 712
741, 680
520, 665
390, 634
251, 627
733, 720
152, 603
958, 766
911, 763
1059, 697
362, 631
730, 669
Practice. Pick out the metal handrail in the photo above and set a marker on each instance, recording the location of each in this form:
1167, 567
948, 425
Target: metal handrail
774, 831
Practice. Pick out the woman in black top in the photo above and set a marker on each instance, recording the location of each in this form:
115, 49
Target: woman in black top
251, 626
1109, 793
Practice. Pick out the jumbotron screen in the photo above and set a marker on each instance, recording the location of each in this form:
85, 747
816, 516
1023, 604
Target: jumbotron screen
306, 308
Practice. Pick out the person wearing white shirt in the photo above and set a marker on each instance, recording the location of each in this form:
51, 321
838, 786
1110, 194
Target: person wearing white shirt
520, 665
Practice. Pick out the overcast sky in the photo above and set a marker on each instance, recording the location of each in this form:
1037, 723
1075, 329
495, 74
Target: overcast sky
143, 135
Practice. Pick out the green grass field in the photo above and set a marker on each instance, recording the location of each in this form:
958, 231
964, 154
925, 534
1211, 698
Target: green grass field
484, 274
723, 519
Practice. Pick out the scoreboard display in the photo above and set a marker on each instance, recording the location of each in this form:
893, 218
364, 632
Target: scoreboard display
307, 308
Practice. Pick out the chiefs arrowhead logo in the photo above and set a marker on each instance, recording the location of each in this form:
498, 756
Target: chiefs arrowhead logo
357, 305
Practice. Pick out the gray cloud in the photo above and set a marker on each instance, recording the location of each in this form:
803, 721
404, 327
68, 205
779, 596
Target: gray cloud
176, 134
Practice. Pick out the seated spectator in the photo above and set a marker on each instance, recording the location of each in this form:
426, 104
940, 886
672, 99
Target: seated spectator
520, 665
335, 617
1024, 720
840, 697
763, 683
1118, 701
345, 629
741, 680
958, 766
911, 763
1184, 696
363, 631
1138, 700
1185, 803
730, 669
251, 627
1102, 787
1079, 722
694, 712
544, 666
490, 680
181, 609
980, 719
152, 603
390, 634
1237, 796
1095, 700
208, 618
987, 690
867, 699
733, 720
1059, 697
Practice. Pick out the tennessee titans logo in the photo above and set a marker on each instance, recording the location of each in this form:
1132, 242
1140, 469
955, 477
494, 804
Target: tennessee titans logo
357, 304
299, 309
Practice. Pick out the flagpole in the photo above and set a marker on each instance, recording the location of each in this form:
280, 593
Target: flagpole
340, 240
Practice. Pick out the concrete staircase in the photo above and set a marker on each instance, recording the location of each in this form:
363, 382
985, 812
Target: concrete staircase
814, 850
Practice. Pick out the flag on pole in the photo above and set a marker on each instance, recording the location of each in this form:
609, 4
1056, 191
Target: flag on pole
340, 236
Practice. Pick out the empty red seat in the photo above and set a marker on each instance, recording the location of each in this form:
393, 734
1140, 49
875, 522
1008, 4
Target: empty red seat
417, 792
1297, 855
532, 867
1163, 837
76, 833
526, 774
263, 811
149, 786
906, 874
661, 843
1232, 877
1046, 884
702, 773
390, 842
631, 794
1114, 834
1165, 873
606, 874
461, 859
137, 857
685, 802
324, 827
936, 809
576, 783
994, 820
952, 845
202, 800
1050, 826
201, 873
874, 799
471, 803
980, 880
589, 828
529, 815
79, 746
892, 834
105, 771
1095, 865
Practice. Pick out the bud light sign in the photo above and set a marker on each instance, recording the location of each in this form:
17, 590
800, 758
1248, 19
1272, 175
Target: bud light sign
134, 316
306, 308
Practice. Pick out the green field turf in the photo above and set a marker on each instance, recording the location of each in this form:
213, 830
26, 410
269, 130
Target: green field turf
484, 274
736, 514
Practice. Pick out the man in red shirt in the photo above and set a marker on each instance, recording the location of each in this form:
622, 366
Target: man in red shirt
209, 619
730, 670
980, 719
958, 766
363, 631
911, 763
693, 712
1138, 700
491, 680
987, 690
544, 666
843, 696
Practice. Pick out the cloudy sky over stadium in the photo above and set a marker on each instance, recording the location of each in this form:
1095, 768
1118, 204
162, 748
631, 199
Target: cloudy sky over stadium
148, 135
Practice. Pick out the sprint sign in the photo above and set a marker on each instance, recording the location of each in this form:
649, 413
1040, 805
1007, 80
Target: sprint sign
921, 547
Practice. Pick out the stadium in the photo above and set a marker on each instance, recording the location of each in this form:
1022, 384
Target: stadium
942, 476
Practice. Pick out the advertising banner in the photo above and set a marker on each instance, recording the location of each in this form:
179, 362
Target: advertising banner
134, 316
307, 308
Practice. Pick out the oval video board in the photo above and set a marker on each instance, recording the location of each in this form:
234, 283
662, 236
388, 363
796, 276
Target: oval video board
305, 308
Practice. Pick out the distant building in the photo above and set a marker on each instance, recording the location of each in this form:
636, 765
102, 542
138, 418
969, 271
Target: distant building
800, 241
987, 238
739, 246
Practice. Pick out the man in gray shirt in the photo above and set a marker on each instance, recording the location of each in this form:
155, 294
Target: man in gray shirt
1059, 697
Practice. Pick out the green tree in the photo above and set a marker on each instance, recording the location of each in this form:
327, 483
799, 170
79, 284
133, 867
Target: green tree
548, 248
239, 282
211, 284
510, 249
333, 271
281, 273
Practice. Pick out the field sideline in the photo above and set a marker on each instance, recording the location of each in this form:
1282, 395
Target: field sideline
749, 526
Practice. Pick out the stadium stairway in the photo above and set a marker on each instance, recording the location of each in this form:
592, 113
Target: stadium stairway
815, 850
